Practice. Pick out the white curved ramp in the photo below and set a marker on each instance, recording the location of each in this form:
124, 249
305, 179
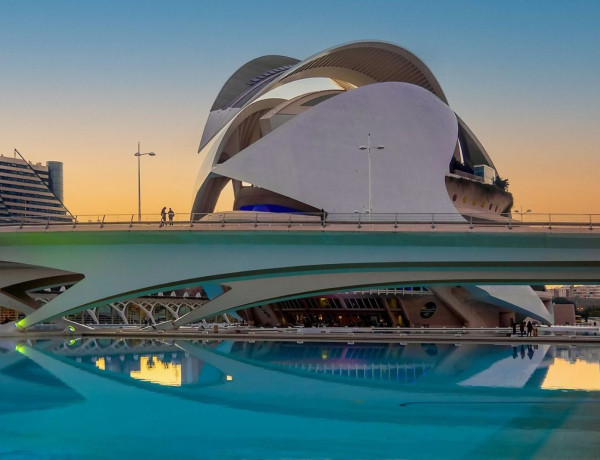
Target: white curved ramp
521, 299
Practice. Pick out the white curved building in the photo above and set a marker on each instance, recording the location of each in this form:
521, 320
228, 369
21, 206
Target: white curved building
302, 153
290, 154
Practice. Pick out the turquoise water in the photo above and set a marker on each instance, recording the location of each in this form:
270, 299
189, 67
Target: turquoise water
99, 398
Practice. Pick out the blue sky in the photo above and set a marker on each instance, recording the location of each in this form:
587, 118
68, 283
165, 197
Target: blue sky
83, 81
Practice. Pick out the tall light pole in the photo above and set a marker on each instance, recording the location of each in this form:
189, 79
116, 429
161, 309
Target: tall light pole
522, 212
368, 149
138, 155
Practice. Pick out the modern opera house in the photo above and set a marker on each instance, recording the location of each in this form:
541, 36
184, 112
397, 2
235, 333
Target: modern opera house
361, 129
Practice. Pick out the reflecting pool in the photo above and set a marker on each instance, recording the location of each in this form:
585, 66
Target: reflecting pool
104, 398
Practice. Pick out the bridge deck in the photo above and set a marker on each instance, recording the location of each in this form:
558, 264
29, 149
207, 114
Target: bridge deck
307, 225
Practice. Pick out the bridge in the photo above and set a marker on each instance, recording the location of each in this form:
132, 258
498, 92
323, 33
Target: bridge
250, 259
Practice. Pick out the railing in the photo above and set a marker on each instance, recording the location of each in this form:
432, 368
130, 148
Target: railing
570, 331
392, 291
339, 221
358, 331
553, 331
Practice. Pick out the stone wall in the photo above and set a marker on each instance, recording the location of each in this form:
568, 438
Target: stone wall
564, 313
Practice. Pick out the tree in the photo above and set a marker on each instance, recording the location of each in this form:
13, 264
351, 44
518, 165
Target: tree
561, 300
501, 183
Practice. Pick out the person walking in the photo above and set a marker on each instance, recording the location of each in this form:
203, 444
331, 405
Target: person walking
529, 329
323, 215
163, 216
522, 328
171, 215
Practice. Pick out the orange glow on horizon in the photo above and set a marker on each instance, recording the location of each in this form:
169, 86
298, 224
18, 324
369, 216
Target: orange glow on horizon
100, 169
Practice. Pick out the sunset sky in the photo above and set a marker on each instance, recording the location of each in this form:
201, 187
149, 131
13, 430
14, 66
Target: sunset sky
83, 81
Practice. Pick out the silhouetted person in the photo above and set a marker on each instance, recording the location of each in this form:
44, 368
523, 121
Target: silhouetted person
529, 328
163, 216
323, 217
514, 326
171, 215
522, 328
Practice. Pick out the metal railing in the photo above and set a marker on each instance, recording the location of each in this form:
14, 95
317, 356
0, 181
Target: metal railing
340, 221
338, 330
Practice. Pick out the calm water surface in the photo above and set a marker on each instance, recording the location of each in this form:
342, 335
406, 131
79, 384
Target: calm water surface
100, 398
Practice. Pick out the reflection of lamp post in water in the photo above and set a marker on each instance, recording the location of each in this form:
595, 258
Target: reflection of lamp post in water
368, 149
138, 155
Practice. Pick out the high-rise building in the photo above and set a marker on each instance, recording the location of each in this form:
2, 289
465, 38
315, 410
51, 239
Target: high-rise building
584, 291
31, 192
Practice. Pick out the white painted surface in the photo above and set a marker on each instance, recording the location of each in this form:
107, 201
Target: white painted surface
522, 299
315, 159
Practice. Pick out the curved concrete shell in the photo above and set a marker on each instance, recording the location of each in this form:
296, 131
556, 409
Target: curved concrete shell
208, 184
302, 154
317, 152
350, 65
240, 87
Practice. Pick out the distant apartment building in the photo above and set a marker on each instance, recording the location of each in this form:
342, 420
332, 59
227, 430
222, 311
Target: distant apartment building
582, 296
31, 192
584, 291
562, 291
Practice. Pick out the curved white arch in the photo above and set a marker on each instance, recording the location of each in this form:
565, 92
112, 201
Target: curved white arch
207, 189
314, 157
472, 148
241, 82
356, 63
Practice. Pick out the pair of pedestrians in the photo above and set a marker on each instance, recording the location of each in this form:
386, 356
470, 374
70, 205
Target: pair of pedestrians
522, 327
163, 216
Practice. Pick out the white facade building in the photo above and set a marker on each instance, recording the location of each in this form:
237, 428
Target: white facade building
379, 137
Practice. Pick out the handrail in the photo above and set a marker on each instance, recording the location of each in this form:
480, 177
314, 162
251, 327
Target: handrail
392, 222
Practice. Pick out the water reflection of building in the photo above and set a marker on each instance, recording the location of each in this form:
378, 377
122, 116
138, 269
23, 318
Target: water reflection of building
572, 353
197, 364
463, 396
146, 360
200, 363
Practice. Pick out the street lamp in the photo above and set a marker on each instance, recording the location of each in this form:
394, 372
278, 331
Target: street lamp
368, 149
138, 155
521, 211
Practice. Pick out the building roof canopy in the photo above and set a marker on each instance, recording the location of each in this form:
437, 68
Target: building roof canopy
352, 64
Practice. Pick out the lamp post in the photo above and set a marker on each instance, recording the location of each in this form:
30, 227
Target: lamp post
521, 211
368, 149
138, 155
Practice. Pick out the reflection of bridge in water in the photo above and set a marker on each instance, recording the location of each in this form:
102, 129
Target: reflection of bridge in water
249, 264
275, 378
